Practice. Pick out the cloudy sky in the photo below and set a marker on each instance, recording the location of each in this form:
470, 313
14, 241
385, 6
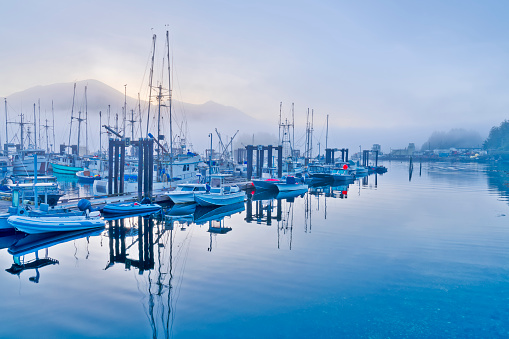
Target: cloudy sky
402, 68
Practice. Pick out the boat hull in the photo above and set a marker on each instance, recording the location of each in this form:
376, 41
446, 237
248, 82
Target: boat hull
266, 184
130, 209
64, 169
33, 225
283, 187
182, 197
212, 199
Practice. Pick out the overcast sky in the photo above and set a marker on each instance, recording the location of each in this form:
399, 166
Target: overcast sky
393, 65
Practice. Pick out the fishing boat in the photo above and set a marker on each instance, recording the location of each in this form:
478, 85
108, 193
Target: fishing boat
290, 184
34, 225
359, 170
87, 177
342, 172
220, 194
23, 162
266, 184
319, 172
185, 193
130, 208
49, 193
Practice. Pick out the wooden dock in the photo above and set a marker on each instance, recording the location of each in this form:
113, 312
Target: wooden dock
99, 201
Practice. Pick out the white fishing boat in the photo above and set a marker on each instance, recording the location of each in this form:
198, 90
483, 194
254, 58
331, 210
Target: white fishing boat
185, 193
23, 162
220, 193
34, 225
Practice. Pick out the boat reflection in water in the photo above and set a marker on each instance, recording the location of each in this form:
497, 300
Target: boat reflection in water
150, 251
33, 243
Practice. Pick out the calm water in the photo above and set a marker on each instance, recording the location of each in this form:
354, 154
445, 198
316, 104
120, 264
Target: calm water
397, 256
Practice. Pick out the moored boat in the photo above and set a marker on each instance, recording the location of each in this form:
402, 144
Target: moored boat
291, 184
185, 193
34, 225
266, 184
130, 208
220, 194
87, 176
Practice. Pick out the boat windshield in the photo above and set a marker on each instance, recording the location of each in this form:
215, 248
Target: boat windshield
185, 189
215, 182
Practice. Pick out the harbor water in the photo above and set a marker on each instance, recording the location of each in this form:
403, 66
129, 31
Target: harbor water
422, 253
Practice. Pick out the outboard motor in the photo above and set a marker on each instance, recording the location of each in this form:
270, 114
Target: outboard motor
84, 205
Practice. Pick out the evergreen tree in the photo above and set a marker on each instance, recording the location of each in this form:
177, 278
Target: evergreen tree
498, 139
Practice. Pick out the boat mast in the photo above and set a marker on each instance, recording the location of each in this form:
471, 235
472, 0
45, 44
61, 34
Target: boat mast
79, 130
47, 142
35, 131
21, 134
39, 108
132, 121
280, 108
6, 133
86, 123
53, 113
169, 89
150, 79
159, 122
293, 129
72, 111
139, 111
125, 109
327, 132
100, 137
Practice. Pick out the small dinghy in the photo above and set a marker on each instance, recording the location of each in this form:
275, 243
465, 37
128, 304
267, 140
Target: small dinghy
87, 177
130, 208
34, 225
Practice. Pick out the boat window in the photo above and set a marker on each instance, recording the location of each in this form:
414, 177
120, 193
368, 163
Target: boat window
215, 182
187, 189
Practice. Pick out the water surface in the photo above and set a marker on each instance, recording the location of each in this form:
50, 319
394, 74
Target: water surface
397, 255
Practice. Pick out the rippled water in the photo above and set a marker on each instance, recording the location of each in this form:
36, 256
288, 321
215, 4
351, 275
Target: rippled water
400, 255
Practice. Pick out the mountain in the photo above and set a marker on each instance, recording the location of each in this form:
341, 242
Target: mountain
194, 121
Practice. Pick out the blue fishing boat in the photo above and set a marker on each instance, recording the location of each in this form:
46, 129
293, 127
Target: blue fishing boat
87, 176
130, 208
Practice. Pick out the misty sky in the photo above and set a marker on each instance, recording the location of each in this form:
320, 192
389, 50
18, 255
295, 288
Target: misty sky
402, 66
